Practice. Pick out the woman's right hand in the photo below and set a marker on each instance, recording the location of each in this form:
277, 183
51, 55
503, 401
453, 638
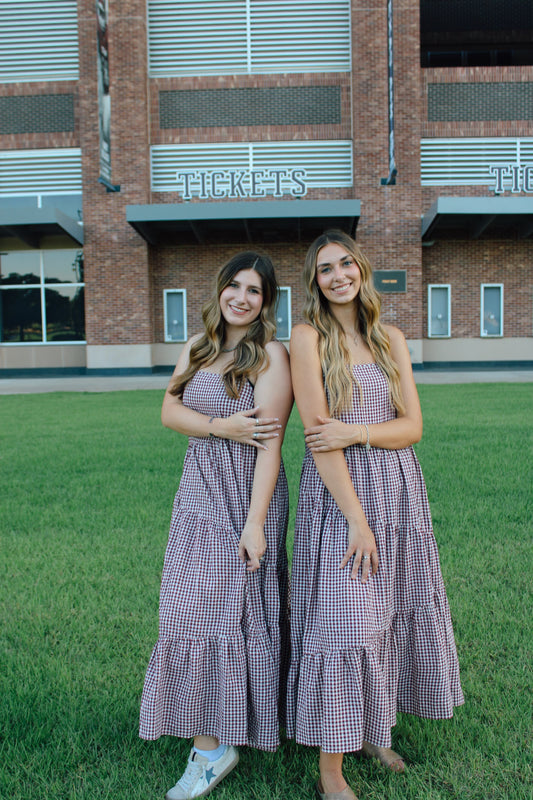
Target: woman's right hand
246, 428
362, 546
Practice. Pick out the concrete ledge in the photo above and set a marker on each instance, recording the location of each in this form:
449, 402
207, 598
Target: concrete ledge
166, 370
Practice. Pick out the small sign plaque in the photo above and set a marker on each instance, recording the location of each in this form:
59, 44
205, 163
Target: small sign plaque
390, 280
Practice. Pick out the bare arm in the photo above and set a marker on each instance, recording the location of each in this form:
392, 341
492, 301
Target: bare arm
273, 394
312, 403
395, 434
241, 427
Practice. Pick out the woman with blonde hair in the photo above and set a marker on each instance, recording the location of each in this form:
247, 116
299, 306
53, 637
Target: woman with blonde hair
371, 631
216, 673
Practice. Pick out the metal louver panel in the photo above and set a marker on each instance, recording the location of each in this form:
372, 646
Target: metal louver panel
31, 172
302, 36
327, 164
168, 160
216, 37
466, 162
38, 41
197, 37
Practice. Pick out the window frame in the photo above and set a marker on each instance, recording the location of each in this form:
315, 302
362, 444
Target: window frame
288, 291
483, 332
183, 293
448, 287
42, 287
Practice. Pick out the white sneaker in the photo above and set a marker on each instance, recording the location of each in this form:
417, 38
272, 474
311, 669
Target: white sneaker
201, 775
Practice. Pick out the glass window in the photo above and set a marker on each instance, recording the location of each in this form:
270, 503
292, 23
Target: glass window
283, 313
21, 315
439, 310
492, 309
175, 309
31, 311
63, 266
22, 268
65, 314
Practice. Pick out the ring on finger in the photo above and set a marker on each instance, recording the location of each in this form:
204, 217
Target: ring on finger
256, 421
366, 557
255, 435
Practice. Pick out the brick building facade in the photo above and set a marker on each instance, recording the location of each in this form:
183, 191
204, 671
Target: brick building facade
447, 240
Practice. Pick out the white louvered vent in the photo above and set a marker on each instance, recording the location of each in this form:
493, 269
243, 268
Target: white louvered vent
326, 164
466, 162
38, 41
217, 37
31, 172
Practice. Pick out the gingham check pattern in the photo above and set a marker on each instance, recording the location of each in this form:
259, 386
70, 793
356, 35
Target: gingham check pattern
223, 632
362, 652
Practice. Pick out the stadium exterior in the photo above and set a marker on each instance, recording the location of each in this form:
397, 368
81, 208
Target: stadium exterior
143, 142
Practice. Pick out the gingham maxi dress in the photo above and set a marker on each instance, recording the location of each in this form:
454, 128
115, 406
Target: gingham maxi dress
223, 632
362, 652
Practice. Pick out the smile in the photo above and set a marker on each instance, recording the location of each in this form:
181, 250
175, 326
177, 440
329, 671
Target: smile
237, 310
343, 288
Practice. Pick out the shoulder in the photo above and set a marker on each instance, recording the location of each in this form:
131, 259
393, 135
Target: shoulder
396, 337
398, 346
394, 333
304, 349
304, 335
184, 357
277, 351
194, 339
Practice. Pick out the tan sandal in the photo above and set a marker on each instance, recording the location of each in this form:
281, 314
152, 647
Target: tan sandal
346, 794
385, 756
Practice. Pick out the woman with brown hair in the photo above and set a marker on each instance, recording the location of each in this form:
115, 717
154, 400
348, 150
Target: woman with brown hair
370, 625
216, 671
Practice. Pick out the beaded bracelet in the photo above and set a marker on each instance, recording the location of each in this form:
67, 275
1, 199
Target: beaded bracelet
367, 445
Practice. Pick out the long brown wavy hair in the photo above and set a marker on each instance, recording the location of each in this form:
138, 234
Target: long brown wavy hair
333, 352
250, 357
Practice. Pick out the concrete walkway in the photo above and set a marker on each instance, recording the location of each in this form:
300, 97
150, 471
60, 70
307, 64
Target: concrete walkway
160, 382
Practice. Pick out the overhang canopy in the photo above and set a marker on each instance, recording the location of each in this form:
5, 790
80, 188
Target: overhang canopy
242, 222
30, 225
479, 218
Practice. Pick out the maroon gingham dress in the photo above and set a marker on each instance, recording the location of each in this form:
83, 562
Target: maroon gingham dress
362, 652
223, 632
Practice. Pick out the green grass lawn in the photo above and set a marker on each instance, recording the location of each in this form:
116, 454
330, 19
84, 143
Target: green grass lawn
87, 486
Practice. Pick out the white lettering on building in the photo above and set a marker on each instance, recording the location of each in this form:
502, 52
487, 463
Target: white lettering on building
517, 177
216, 184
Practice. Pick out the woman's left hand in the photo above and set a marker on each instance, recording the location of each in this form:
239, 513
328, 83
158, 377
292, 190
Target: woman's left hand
330, 434
252, 546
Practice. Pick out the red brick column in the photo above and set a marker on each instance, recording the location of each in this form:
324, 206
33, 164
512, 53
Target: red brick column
389, 228
119, 310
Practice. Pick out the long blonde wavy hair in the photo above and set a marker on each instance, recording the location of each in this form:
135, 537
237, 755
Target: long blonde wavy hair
333, 352
250, 357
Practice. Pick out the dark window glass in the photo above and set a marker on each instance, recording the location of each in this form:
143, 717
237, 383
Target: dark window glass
63, 266
20, 315
436, 59
478, 58
65, 315
20, 268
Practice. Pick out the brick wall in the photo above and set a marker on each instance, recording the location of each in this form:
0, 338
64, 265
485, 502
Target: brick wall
478, 127
18, 99
466, 265
125, 278
389, 229
118, 307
